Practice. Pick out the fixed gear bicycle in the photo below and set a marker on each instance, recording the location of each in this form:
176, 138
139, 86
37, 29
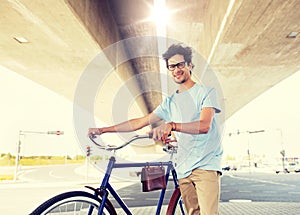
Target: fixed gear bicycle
97, 202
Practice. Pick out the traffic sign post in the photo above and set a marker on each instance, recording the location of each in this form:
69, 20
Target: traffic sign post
22, 133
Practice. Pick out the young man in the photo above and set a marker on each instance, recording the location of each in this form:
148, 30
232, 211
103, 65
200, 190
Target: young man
190, 114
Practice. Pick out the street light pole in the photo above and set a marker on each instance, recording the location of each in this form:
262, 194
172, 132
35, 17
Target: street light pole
17, 157
282, 152
248, 151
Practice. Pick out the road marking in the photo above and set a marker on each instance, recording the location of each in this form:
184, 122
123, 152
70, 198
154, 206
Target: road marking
269, 191
128, 198
54, 176
151, 199
262, 181
257, 185
22, 177
240, 200
292, 192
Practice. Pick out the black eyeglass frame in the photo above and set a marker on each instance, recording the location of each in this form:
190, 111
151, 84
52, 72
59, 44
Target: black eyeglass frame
179, 65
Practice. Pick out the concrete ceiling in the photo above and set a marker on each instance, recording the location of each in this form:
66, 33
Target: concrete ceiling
244, 42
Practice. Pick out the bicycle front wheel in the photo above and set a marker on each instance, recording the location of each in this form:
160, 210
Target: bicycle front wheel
176, 205
74, 202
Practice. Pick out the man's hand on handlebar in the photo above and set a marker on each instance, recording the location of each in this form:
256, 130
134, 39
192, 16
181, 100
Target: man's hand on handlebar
95, 131
163, 133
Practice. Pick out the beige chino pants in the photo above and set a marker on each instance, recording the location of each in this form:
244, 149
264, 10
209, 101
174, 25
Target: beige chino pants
201, 192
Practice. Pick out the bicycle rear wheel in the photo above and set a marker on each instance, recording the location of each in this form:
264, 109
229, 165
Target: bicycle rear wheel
74, 202
176, 205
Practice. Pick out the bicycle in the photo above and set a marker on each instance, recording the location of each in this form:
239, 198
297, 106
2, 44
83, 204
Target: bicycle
82, 202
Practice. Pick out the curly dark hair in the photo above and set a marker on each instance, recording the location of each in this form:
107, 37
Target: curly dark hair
178, 49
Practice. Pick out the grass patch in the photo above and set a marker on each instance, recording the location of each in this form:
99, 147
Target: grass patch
9, 160
40, 161
6, 177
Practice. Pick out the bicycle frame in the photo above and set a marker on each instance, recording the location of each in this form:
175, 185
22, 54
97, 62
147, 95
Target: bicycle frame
98, 202
106, 186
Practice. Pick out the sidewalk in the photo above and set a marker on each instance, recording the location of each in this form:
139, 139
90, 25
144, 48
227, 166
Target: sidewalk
264, 208
239, 208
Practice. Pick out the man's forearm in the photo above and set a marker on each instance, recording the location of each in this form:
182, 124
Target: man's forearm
127, 126
197, 127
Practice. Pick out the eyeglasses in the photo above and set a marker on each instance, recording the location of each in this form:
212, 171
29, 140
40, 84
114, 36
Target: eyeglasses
179, 65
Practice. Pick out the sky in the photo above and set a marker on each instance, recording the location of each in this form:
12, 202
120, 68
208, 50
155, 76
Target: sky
28, 106
277, 112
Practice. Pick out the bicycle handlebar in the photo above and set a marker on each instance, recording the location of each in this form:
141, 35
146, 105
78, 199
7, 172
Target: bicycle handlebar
112, 148
169, 148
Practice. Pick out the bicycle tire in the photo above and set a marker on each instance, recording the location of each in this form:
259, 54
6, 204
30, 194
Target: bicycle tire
74, 201
176, 206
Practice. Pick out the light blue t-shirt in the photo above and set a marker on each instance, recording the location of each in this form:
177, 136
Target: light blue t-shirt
203, 151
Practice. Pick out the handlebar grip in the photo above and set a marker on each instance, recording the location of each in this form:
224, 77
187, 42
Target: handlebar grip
93, 136
150, 135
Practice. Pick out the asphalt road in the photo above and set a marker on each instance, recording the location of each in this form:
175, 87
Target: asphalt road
235, 186
261, 187
37, 184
